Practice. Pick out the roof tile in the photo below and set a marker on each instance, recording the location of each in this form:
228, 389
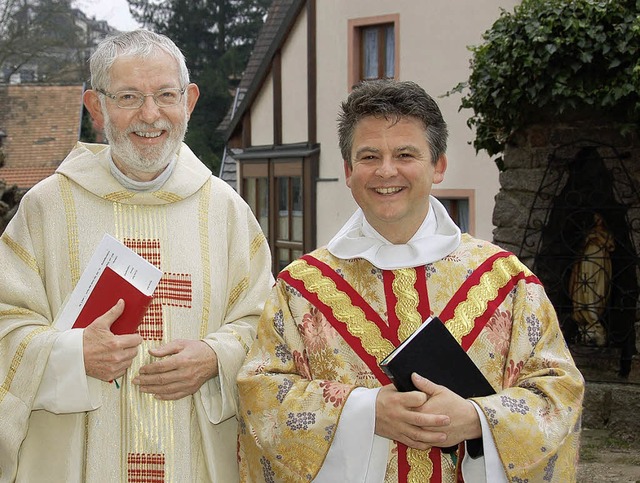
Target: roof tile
42, 124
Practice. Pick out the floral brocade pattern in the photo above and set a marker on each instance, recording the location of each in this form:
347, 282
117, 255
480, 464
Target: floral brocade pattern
290, 407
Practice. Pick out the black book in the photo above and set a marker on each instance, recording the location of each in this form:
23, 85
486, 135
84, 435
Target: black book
434, 353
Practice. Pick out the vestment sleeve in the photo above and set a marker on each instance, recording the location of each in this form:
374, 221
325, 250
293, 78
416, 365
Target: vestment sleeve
65, 386
287, 418
26, 334
356, 454
249, 280
535, 418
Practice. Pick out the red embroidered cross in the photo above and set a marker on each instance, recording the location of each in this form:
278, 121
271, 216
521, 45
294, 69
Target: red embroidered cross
145, 468
174, 289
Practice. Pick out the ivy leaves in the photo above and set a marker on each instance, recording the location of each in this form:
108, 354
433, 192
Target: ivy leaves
552, 57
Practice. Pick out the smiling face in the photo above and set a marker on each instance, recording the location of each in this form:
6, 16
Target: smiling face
143, 140
392, 174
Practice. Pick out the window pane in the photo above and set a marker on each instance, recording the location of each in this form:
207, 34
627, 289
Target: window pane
390, 53
263, 203
283, 207
458, 209
256, 194
284, 258
296, 193
370, 53
249, 190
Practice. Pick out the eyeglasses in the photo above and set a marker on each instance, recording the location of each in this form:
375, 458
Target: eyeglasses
135, 99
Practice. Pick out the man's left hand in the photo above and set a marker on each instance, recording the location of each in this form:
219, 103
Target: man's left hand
465, 422
186, 366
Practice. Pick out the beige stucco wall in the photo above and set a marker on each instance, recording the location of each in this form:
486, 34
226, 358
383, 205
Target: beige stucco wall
262, 115
434, 36
294, 84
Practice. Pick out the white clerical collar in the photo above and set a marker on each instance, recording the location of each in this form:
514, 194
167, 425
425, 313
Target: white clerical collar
436, 238
134, 185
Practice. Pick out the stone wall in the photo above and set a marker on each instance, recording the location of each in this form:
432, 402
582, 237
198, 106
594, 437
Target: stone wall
526, 159
523, 202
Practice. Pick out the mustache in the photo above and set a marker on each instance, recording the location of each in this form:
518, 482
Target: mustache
143, 126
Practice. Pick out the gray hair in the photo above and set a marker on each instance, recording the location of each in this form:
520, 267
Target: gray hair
137, 43
392, 100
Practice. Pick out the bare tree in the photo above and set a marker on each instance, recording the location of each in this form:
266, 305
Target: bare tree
41, 33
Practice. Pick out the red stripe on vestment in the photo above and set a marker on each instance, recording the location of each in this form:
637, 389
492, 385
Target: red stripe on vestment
462, 294
480, 323
424, 309
356, 299
435, 455
471, 281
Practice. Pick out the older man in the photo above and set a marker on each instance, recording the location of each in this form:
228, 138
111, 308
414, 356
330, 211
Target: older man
173, 417
315, 404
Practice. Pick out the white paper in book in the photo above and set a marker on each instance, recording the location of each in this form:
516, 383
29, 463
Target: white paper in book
110, 252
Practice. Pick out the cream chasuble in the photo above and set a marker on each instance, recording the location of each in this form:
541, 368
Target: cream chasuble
216, 266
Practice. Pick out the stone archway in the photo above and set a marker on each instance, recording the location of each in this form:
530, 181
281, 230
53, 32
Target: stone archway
563, 183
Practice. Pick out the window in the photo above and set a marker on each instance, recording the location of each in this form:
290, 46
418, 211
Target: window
378, 52
256, 192
373, 48
289, 236
281, 195
460, 205
458, 211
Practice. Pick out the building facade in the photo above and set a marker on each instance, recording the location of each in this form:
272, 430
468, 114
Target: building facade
281, 135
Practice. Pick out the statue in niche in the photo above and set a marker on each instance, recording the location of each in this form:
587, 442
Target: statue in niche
590, 282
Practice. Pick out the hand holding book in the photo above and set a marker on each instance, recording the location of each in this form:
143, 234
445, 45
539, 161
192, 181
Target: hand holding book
108, 356
433, 353
114, 272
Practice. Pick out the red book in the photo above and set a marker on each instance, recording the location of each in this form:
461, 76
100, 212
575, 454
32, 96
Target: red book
109, 288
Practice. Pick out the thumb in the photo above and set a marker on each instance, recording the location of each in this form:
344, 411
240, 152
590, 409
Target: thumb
425, 385
110, 316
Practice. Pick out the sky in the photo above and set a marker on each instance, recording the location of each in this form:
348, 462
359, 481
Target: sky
115, 12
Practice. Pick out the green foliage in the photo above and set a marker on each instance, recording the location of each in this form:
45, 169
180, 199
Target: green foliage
87, 131
217, 37
553, 57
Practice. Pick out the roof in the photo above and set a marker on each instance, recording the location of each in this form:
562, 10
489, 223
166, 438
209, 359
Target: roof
228, 169
25, 177
42, 124
280, 19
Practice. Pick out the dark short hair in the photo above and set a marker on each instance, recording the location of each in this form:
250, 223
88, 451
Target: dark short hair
393, 100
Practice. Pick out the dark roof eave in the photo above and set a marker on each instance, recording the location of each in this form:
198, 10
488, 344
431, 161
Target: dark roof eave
265, 66
300, 150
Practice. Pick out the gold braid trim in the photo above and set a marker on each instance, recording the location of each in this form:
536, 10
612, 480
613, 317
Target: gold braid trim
118, 196
203, 229
479, 296
343, 309
15, 311
237, 290
17, 359
72, 228
256, 243
407, 307
21, 253
421, 465
166, 196
240, 340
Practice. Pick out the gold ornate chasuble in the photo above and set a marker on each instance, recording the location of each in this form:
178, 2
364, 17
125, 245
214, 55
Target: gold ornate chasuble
329, 322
